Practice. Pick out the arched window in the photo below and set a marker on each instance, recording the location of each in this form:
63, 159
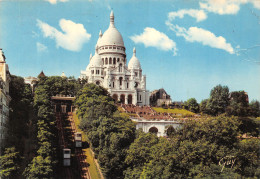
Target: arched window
120, 67
170, 131
106, 61
114, 61
122, 98
120, 81
153, 130
127, 85
130, 99
118, 59
115, 97
110, 60
103, 60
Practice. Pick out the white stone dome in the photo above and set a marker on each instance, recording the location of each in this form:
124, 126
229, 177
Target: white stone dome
111, 36
134, 63
87, 69
95, 61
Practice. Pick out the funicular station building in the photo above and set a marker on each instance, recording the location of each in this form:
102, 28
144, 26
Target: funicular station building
62, 104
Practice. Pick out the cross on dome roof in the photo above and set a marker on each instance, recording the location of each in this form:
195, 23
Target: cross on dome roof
111, 36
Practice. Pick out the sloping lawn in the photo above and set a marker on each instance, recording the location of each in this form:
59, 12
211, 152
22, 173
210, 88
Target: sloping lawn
174, 112
90, 159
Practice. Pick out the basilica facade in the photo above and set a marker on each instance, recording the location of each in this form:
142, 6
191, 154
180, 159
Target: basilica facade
108, 68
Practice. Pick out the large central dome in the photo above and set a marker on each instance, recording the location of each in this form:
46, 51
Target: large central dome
112, 36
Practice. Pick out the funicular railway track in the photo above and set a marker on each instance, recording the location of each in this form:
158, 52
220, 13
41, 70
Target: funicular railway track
63, 122
62, 143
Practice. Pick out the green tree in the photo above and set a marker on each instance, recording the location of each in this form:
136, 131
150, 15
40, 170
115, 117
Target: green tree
248, 158
139, 153
39, 168
108, 132
219, 100
254, 108
238, 104
9, 163
203, 106
192, 105
93, 102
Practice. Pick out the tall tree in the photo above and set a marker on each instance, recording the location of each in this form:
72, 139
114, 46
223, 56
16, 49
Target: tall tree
254, 108
192, 105
238, 104
203, 106
219, 100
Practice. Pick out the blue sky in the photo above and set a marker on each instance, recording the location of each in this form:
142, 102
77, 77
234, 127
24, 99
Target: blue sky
185, 46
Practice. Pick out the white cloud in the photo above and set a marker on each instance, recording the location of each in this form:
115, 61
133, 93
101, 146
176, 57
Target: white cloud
226, 6
199, 15
72, 38
153, 38
195, 34
256, 3
41, 47
55, 1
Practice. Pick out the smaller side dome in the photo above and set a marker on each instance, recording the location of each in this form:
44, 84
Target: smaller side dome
134, 63
96, 60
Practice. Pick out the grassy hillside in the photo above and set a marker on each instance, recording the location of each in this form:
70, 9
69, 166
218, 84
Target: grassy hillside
175, 112
93, 170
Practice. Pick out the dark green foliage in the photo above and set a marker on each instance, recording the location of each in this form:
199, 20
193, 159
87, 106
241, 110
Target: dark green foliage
203, 106
44, 163
20, 111
139, 153
238, 104
249, 158
40, 167
254, 108
194, 151
9, 163
192, 105
57, 85
249, 126
93, 102
218, 101
115, 136
109, 134
21, 126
